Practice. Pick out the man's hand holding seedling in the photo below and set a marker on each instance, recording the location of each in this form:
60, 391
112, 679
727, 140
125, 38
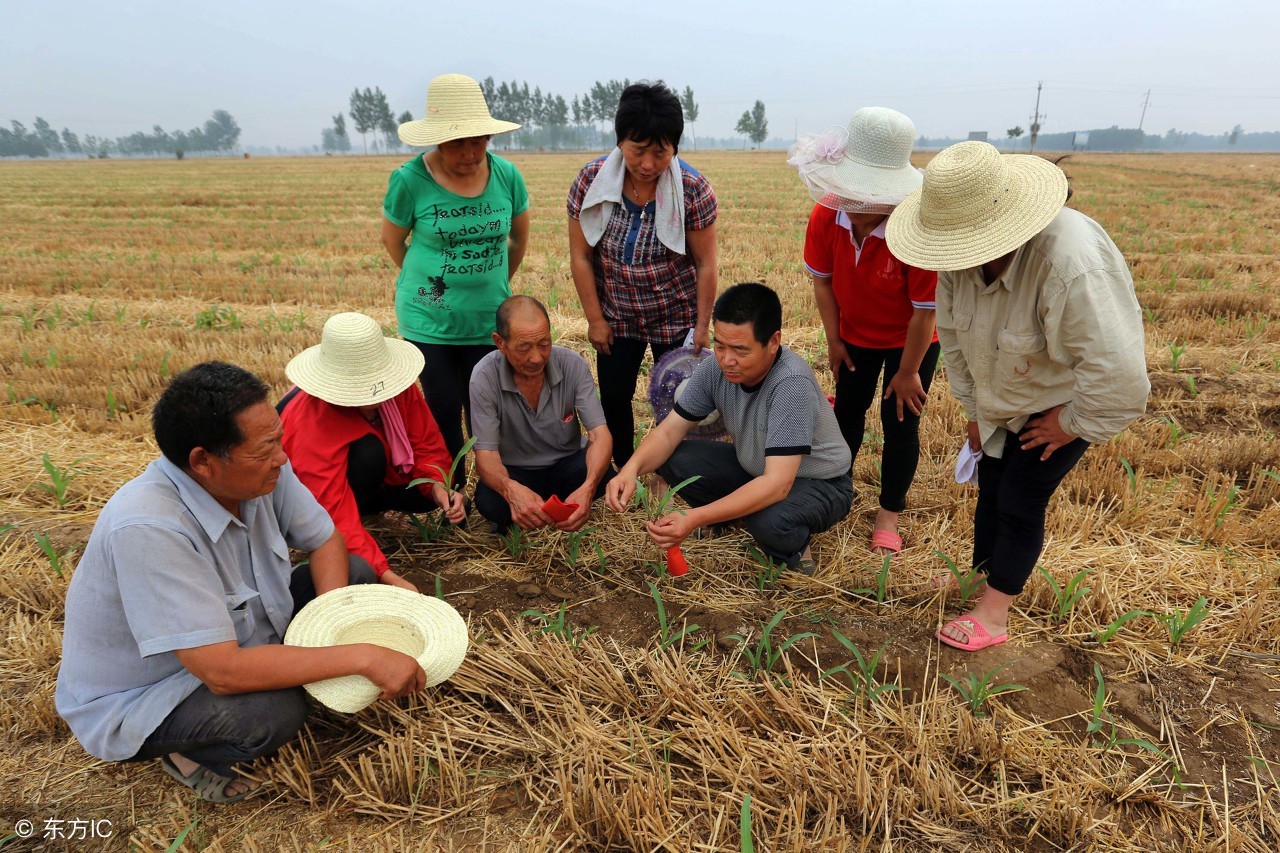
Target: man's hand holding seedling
671, 529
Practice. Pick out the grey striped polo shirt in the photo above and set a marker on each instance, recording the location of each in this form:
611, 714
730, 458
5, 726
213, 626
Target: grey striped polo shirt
785, 415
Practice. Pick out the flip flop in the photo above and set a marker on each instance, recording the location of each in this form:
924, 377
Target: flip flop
209, 785
886, 539
979, 637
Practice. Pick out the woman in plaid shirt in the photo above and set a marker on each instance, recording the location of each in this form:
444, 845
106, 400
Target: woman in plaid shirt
642, 244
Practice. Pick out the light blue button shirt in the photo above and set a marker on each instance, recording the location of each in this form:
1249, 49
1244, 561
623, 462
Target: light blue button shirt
167, 567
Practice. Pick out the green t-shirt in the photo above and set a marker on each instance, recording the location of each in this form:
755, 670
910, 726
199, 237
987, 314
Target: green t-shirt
455, 272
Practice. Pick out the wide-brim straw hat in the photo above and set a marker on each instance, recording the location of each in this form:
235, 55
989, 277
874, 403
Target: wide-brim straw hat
355, 364
456, 109
975, 205
424, 628
864, 167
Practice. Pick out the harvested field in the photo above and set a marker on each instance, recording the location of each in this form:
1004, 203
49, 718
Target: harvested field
1131, 733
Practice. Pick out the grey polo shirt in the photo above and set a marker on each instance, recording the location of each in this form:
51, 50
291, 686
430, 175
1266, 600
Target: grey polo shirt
787, 414
166, 568
504, 421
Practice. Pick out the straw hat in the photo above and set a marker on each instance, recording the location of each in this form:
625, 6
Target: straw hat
455, 110
976, 205
424, 628
354, 364
863, 168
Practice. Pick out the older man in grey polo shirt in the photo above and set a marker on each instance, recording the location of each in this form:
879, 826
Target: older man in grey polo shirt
529, 403
174, 618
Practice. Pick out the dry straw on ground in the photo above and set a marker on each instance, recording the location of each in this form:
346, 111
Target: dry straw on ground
118, 274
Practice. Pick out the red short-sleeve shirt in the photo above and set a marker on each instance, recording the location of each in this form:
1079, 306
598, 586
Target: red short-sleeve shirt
876, 292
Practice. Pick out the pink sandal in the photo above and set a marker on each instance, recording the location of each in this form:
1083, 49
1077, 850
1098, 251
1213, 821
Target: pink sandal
979, 638
887, 540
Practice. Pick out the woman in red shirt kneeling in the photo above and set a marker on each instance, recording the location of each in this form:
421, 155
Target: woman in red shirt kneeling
357, 430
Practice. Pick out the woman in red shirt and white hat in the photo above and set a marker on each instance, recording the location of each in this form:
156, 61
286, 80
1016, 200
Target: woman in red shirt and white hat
877, 311
357, 430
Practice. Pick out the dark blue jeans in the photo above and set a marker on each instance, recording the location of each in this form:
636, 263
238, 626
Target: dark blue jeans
219, 732
782, 530
1013, 497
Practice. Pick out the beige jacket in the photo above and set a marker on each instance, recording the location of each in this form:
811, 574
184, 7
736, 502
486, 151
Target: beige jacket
1060, 325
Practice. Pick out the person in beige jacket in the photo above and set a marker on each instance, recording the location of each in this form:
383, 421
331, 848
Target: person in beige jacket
1042, 337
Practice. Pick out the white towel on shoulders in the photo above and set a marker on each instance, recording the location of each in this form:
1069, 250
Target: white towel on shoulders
605, 194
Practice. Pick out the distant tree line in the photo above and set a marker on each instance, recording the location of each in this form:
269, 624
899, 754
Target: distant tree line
547, 119
219, 133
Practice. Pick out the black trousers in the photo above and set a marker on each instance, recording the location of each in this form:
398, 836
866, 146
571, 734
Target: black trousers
617, 373
446, 383
1013, 496
560, 479
856, 391
219, 732
366, 472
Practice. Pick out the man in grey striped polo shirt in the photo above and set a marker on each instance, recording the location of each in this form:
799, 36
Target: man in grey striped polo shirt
786, 474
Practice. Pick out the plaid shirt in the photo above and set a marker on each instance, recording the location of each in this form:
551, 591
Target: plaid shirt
647, 292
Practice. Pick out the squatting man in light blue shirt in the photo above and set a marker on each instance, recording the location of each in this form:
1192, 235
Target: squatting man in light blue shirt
174, 618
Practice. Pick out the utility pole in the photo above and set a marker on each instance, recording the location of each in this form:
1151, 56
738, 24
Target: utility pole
1146, 102
1035, 120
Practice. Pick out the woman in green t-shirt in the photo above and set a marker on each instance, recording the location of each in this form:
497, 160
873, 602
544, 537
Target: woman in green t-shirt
468, 213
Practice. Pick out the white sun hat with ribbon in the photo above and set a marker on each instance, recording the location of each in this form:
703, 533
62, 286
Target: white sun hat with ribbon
355, 364
862, 168
422, 627
975, 205
456, 109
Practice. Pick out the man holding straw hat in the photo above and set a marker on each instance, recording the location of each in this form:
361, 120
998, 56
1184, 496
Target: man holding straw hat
176, 612
1042, 337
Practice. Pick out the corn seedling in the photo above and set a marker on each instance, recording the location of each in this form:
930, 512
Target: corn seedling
1131, 476
573, 546
559, 626
745, 844
1065, 598
113, 406
1101, 723
1191, 386
881, 591
218, 318
1221, 505
667, 637
57, 559
516, 541
966, 582
431, 528
1116, 624
1179, 624
59, 478
446, 481
439, 587
1176, 352
865, 682
1176, 433
768, 570
764, 655
658, 507
977, 689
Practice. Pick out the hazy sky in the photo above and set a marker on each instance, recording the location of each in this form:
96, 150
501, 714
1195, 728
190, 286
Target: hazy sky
284, 69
